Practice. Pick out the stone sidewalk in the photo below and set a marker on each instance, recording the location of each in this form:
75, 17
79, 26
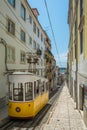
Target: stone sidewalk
3, 112
64, 116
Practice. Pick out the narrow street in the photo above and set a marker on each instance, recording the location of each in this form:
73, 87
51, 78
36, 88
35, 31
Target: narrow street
42, 44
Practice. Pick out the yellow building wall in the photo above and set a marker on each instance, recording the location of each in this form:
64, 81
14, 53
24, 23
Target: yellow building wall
78, 31
85, 29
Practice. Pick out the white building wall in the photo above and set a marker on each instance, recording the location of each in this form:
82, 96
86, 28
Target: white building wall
7, 11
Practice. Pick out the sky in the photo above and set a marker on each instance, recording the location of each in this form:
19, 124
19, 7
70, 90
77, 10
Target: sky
58, 12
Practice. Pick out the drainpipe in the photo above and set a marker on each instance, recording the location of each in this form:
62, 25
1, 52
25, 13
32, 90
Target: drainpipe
77, 54
2, 41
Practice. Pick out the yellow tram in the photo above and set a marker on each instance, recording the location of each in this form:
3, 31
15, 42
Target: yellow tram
28, 94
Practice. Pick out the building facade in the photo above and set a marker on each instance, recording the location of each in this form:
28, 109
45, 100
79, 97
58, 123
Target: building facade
48, 60
22, 39
77, 64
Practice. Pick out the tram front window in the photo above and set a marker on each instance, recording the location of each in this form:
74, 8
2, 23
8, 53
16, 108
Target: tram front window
28, 91
18, 92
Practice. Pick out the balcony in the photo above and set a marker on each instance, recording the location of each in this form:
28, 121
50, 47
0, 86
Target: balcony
48, 52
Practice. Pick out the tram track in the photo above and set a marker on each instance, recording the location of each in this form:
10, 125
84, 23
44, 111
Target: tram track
33, 123
7, 124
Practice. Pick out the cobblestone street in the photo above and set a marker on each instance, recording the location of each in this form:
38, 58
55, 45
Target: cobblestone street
64, 116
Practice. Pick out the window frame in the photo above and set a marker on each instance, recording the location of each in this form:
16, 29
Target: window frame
81, 8
30, 19
41, 37
10, 54
30, 40
34, 27
10, 26
75, 50
75, 29
28, 91
10, 89
81, 41
38, 32
34, 45
23, 12
18, 92
22, 57
23, 36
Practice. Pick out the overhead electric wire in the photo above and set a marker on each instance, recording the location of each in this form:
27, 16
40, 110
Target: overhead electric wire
52, 30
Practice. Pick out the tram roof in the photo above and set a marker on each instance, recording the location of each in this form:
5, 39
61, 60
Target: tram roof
22, 73
25, 77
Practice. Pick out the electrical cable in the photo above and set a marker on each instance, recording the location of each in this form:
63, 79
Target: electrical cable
52, 30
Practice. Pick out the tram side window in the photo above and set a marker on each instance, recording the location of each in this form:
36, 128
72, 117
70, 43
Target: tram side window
47, 87
18, 92
10, 90
28, 91
36, 88
43, 87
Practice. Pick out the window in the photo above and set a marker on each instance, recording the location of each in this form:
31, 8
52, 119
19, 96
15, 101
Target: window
72, 54
41, 37
22, 57
23, 12
75, 51
34, 45
10, 54
38, 46
11, 27
81, 7
30, 40
47, 86
28, 91
12, 2
43, 85
11, 85
37, 72
81, 42
75, 28
41, 73
22, 35
38, 32
34, 27
36, 88
41, 62
30, 19
18, 92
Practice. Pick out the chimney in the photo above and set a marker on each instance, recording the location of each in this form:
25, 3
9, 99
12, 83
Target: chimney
35, 11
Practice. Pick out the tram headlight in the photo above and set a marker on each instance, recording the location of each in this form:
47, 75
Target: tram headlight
18, 109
